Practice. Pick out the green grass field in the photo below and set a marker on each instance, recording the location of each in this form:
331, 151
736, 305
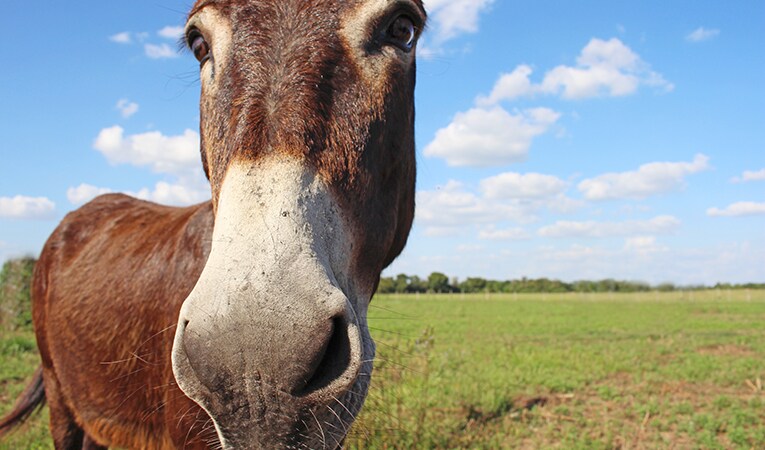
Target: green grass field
672, 370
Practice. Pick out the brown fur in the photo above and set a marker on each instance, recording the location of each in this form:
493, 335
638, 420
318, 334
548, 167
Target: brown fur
124, 267
112, 277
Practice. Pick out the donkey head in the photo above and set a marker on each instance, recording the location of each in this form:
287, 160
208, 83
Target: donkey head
307, 125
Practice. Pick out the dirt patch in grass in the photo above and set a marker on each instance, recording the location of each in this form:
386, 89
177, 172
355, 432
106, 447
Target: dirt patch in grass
618, 414
725, 350
475, 416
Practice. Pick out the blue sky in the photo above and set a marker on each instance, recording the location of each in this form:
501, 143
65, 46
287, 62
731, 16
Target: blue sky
570, 140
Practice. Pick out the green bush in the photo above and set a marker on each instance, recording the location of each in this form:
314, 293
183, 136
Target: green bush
15, 303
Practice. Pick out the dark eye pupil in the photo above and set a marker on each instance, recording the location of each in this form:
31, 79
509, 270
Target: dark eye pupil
199, 47
402, 32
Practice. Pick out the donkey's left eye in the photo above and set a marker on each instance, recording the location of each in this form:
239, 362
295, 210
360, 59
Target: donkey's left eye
402, 33
199, 46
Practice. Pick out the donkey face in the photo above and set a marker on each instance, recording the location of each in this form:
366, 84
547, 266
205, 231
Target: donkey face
308, 141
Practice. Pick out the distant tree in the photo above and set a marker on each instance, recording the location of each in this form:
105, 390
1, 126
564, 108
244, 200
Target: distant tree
417, 285
473, 284
495, 286
584, 286
438, 282
401, 284
633, 286
607, 285
666, 287
15, 302
386, 286
557, 286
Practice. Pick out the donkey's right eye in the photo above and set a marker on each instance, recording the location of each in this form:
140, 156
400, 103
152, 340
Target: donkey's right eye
198, 46
402, 33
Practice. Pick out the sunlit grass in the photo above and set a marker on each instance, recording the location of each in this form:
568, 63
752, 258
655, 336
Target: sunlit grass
650, 370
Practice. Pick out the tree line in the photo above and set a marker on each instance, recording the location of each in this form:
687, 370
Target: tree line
16, 276
15, 305
438, 282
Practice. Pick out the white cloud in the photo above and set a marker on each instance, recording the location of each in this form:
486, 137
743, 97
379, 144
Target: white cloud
450, 18
750, 175
490, 137
185, 191
452, 205
128, 37
738, 209
701, 34
176, 156
604, 68
643, 245
127, 108
510, 86
443, 211
650, 179
23, 207
733, 261
593, 229
161, 51
121, 38
516, 185
163, 154
181, 193
493, 234
153, 51
451, 209
84, 193
171, 32
561, 204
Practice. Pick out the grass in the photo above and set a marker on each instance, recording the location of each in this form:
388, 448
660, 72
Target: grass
675, 370
570, 371
18, 360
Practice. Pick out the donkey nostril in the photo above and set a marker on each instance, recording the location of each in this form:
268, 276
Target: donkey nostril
333, 361
200, 356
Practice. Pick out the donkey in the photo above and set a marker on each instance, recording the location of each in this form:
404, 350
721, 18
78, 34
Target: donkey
241, 322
